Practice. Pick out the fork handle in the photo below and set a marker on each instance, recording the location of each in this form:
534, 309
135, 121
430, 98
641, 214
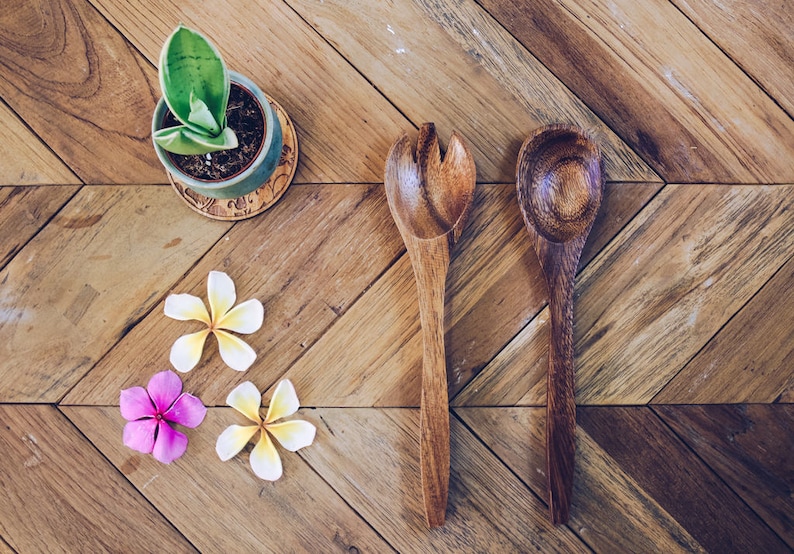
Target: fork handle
431, 263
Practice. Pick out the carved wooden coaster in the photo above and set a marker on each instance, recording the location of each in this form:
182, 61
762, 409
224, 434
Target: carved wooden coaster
256, 202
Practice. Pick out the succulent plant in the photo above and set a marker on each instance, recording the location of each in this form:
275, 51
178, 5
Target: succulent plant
195, 84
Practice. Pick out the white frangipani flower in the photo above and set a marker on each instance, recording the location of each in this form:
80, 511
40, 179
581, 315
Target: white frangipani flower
244, 318
292, 435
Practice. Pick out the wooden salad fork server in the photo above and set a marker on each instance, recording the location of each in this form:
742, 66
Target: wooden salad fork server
559, 183
430, 201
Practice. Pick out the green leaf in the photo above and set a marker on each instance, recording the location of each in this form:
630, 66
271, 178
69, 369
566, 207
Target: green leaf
191, 66
201, 116
185, 141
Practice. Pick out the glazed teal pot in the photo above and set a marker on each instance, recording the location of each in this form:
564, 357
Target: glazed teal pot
250, 178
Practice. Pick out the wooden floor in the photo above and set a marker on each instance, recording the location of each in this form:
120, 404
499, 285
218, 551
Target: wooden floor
684, 318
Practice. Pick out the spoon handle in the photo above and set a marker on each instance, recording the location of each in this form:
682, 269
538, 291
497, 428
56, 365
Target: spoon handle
431, 263
560, 400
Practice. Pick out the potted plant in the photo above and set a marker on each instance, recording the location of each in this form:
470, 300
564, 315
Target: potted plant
213, 129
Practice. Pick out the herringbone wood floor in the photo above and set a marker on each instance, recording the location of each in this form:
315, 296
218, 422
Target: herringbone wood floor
684, 318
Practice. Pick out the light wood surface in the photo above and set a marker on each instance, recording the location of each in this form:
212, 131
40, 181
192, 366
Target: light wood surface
683, 298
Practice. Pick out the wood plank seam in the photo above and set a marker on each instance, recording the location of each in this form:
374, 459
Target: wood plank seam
719, 476
122, 475
719, 330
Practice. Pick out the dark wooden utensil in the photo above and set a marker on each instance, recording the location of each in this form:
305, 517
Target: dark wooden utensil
430, 202
559, 184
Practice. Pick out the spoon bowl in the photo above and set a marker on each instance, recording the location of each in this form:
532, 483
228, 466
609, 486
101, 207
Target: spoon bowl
559, 186
562, 182
430, 201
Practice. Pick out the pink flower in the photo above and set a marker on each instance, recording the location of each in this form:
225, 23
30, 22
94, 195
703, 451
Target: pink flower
149, 411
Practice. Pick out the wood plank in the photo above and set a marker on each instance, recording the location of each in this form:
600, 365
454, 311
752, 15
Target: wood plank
25, 210
370, 457
450, 63
655, 295
82, 88
60, 494
758, 36
609, 510
75, 289
372, 355
26, 160
662, 85
751, 448
307, 259
222, 506
345, 126
750, 359
646, 450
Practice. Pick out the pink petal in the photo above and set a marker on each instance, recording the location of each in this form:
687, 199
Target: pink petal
187, 410
135, 404
170, 444
164, 388
139, 435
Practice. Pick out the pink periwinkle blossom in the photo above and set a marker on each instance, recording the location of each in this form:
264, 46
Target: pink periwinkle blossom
150, 412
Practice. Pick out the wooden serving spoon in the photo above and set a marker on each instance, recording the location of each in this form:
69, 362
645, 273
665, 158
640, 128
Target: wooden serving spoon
559, 184
430, 202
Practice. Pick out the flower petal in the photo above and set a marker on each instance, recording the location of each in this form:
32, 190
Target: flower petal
284, 402
220, 291
293, 435
246, 399
244, 318
169, 445
234, 351
185, 307
187, 410
139, 435
186, 351
234, 439
164, 388
135, 403
264, 459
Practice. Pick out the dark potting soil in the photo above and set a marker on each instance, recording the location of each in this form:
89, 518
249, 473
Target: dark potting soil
245, 118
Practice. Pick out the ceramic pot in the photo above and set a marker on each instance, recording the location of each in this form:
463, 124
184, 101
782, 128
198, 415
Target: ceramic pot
254, 175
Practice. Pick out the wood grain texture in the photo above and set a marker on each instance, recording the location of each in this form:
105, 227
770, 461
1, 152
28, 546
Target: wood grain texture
662, 85
83, 281
24, 211
223, 506
449, 62
372, 354
27, 160
758, 36
751, 448
430, 201
345, 126
609, 510
665, 468
750, 359
82, 88
659, 293
60, 494
307, 260
369, 459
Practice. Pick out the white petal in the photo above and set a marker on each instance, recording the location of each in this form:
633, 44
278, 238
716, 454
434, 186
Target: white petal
234, 439
245, 398
264, 459
243, 318
220, 292
235, 352
186, 351
284, 402
293, 435
185, 307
